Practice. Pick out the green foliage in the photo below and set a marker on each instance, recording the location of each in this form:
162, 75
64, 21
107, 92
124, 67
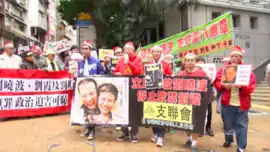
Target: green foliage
116, 21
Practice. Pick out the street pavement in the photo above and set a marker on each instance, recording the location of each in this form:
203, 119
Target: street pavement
39, 134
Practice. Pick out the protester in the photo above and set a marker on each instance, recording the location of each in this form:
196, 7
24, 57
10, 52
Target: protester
235, 111
118, 52
208, 128
107, 64
159, 132
89, 66
1, 51
169, 59
28, 61
51, 64
130, 64
9, 60
87, 89
39, 60
73, 49
191, 70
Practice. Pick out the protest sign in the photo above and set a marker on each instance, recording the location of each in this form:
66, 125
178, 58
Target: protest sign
209, 69
50, 46
236, 74
34, 92
181, 104
63, 45
114, 62
153, 76
101, 100
103, 52
243, 75
212, 37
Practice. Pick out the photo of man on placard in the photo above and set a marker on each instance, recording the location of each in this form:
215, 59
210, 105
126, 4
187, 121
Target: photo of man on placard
229, 75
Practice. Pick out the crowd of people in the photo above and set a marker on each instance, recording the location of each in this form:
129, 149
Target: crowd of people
234, 113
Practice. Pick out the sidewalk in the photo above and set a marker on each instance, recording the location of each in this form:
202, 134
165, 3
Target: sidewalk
37, 134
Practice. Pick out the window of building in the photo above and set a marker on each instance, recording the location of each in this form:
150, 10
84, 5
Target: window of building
253, 22
236, 20
215, 15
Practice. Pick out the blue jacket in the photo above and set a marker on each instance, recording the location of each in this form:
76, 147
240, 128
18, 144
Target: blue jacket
94, 67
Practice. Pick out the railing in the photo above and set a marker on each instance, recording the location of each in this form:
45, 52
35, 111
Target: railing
259, 71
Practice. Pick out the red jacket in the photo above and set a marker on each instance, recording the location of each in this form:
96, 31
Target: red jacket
244, 91
134, 66
167, 70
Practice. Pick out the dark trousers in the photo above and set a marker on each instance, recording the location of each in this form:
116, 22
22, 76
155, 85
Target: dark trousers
236, 121
209, 116
160, 132
133, 131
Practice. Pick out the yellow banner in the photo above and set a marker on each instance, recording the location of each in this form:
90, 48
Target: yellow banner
167, 111
103, 52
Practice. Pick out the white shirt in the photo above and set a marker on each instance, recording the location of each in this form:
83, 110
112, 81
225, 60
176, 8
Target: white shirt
10, 62
85, 68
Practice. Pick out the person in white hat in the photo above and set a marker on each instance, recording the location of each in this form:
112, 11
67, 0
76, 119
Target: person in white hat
51, 64
9, 60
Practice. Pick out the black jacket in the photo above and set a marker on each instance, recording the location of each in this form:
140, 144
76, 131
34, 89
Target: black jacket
28, 65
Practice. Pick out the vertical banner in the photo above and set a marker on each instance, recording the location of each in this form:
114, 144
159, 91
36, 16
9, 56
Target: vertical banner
34, 92
212, 37
153, 76
101, 100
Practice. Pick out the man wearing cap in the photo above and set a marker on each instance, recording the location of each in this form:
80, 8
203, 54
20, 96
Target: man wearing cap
51, 64
28, 61
39, 60
159, 132
236, 102
191, 70
90, 65
9, 60
130, 64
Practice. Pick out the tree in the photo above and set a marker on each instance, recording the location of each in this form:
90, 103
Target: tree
116, 21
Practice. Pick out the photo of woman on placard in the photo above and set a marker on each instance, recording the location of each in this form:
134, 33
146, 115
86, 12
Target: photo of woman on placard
107, 96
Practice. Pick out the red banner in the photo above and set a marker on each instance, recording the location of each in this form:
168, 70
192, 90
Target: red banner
34, 92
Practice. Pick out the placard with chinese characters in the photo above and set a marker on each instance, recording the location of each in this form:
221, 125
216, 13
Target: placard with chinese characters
34, 92
180, 104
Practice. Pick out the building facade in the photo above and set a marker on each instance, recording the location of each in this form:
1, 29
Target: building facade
38, 19
251, 22
64, 31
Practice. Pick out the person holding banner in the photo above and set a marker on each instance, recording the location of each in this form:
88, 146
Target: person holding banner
208, 128
191, 70
130, 64
51, 64
159, 132
28, 61
39, 60
236, 101
90, 65
9, 60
